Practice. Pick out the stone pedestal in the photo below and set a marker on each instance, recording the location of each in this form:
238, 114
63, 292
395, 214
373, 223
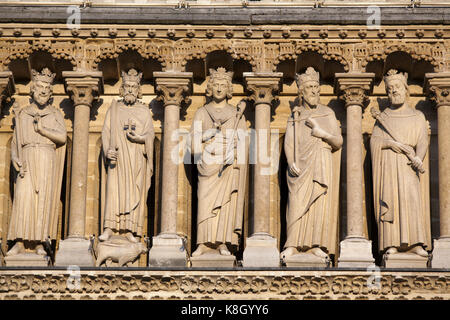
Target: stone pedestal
82, 87
306, 260
75, 251
261, 251
404, 260
213, 260
353, 88
356, 253
168, 251
441, 253
27, 259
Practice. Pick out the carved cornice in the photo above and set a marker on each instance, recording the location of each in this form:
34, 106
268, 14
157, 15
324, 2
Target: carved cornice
83, 87
354, 87
7, 87
263, 86
437, 87
173, 88
149, 284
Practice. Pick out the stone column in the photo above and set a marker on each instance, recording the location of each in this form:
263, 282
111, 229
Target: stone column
261, 248
82, 88
355, 249
168, 248
437, 85
7, 89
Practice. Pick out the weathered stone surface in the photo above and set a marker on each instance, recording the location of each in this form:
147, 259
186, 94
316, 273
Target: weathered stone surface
27, 259
213, 260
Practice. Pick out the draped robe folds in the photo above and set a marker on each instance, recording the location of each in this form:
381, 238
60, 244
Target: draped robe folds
125, 189
312, 210
400, 193
220, 197
36, 202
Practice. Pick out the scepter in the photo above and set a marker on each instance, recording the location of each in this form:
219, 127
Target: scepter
410, 153
239, 114
22, 167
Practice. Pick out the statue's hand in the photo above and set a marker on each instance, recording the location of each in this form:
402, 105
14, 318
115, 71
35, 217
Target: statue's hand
112, 155
37, 123
293, 170
229, 157
134, 137
397, 146
316, 130
16, 163
416, 163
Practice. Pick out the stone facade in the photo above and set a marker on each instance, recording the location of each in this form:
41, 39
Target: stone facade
265, 55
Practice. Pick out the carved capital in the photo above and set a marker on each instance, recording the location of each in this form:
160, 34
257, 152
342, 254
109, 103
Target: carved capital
173, 87
83, 87
7, 87
437, 87
263, 86
354, 88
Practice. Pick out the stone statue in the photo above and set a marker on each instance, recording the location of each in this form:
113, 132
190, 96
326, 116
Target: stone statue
37, 154
313, 138
221, 169
398, 145
127, 138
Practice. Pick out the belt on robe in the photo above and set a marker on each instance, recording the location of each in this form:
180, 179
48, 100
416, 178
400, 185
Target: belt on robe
39, 145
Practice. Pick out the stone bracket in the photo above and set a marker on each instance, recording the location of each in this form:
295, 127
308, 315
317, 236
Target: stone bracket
437, 87
263, 86
173, 87
353, 87
7, 87
261, 251
83, 87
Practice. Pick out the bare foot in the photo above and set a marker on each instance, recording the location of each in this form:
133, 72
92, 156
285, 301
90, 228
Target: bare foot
391, 250
318, 252
201, 249
40, 250
290, 251
223, 250
105, 235
419, 250
131, 238
16, 249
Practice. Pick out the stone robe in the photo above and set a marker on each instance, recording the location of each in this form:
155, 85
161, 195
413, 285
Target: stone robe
36, 203
220, 196
400, 193
312, 210
124, 195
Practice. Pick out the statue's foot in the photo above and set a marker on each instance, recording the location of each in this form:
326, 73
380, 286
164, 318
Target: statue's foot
105, 235
290, 251
223, 250
16, 249
201, 249
131, 238
318, 252
419, 251
40, 250
391, 250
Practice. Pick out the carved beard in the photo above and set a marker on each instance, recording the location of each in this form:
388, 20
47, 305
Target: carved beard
129, 98
312, 100
397, 99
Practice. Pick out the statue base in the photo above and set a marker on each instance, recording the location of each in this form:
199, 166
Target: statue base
441, 253
27, 259
213, 260
404, 260
306, 260
74, 251
356, 253
117, 251
168, 250
261, 251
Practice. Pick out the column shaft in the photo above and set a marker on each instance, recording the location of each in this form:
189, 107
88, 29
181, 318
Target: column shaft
79, 171
170, 170
354, 142
444, 169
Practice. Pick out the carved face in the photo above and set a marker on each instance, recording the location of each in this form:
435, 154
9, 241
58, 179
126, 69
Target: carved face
396, 92
219, 89
130, 91
42, 91
311, 93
